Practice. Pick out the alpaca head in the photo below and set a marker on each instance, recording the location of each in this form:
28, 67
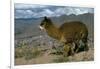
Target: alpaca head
45, 23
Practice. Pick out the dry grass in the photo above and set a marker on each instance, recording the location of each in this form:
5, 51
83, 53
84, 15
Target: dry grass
42, 54
60, 59
27, 52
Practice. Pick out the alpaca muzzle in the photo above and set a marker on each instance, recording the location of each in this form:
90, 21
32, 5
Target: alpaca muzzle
41, 28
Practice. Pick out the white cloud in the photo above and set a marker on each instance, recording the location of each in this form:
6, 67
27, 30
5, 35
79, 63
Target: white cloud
29, 10
27, 6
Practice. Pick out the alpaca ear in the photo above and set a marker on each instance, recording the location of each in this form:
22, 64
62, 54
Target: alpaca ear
45, 18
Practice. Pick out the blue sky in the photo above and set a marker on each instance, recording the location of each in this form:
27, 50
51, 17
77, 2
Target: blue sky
36, 11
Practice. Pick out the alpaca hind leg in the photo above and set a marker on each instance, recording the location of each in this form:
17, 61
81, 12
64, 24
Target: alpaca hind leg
72, 49
76, 49
86, 48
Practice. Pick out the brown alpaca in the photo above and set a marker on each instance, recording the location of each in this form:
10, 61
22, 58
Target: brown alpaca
68, 33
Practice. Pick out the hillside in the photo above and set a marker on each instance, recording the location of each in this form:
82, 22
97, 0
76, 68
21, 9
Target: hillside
29, 27
33, 46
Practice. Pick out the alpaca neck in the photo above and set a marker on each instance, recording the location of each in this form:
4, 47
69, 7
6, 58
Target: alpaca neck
54, 32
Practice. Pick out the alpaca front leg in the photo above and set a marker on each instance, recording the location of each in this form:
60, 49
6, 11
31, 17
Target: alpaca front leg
66, 50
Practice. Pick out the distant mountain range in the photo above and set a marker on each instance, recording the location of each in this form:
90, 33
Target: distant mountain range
25, 27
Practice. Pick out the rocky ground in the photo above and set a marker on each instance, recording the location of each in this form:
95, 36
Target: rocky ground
43, 49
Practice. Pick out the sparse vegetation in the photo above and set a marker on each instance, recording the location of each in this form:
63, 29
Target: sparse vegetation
27, 52
61, 59
30, 48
